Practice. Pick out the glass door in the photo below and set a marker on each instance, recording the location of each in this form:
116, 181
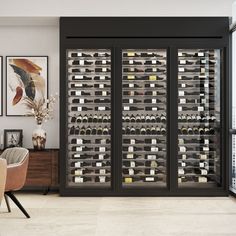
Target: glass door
233, 118
89, 118
144, 115
199, 118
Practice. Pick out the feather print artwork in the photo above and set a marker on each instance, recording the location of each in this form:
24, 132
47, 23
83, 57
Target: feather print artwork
26, 78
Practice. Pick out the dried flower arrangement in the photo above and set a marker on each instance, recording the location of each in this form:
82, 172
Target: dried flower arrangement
41, 109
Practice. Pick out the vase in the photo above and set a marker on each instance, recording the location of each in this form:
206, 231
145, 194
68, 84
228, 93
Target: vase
39, 138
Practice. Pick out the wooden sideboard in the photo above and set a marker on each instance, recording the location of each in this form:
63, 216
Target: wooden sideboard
43, 169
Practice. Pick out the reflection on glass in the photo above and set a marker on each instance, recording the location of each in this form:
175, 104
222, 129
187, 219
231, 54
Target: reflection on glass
199, 74
89, 117
144, 117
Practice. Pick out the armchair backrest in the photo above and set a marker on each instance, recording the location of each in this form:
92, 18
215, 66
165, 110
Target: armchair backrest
3, 174
17, 165
14, 155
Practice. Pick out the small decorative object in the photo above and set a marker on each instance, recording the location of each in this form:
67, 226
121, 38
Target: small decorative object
27, 77
1, 100
42, 110
13, 138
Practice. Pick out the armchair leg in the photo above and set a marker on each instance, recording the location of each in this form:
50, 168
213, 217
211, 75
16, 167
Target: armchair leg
7, 203
14, 199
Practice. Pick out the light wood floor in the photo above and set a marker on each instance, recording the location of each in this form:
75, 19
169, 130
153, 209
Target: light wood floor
52, 215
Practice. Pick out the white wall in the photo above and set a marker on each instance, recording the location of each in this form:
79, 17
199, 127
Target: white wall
116, 8
32, 40
31, 28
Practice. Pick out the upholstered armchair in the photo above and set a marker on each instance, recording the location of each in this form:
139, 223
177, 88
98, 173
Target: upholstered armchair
3, 174
17, 164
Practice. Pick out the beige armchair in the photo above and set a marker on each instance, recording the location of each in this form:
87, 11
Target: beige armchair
3, 174
17, 165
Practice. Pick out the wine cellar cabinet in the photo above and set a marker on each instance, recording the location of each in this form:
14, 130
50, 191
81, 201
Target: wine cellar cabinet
144, 106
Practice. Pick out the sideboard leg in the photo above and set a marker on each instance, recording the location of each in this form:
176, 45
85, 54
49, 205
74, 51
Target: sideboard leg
47, 190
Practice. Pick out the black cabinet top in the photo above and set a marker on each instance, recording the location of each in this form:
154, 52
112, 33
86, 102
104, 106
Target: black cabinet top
146, 27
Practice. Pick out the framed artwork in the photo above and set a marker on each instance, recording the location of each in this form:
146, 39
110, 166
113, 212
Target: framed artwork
1, 85
26, 78
13, 138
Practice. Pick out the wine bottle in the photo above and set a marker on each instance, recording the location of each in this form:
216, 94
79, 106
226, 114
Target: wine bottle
85, 119
131, 149
132, 118
152, 149
152, 108
201, 131
104, 69
102, 85
131, 101
152, 85
148, 118
102, 149
184, 131
106, 131
73, 119
101, 54
79, 141
102, 100
72, 130
148, 130
81, 77
132, 108
131, 85
158, 119
105, 119
88, 130
79, 93
100, 119
102, 93
163, 130
103, 62
142, 130
137, 119
190, 130
90, 118
163, 118
102, 77
132, 130
152, 62
102, 108
81, 109
152, 118
127, 118
158, 130
79, 85
153, 130
77, 130
82, 131
99, 130
153, 101
81, 149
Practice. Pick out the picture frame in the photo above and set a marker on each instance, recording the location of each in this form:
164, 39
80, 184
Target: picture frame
13, 138
26, 77
1, 85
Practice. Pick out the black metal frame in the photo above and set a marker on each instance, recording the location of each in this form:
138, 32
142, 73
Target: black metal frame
15, 200
136, 32
20, 131
6, 85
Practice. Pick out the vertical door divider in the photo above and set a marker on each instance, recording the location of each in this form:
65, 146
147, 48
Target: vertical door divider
173, 118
